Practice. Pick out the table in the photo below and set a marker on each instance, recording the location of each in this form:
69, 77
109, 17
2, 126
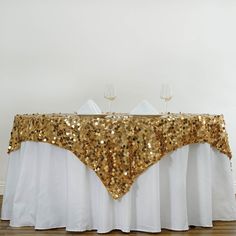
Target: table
168, 171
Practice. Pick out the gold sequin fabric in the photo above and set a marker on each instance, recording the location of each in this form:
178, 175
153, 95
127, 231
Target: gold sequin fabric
120, 147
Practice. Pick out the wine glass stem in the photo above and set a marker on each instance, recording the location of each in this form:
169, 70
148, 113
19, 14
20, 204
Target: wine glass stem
165, 106
109, 106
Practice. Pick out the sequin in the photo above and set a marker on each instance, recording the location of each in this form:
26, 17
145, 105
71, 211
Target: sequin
120, 147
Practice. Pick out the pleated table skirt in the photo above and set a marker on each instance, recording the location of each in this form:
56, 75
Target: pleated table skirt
49, 187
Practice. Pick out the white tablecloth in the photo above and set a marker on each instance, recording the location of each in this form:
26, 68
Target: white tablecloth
49, 187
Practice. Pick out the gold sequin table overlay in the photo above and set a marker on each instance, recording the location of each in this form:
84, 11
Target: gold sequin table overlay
120, 147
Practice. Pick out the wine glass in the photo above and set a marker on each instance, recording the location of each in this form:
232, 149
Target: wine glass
166, 94
110, 95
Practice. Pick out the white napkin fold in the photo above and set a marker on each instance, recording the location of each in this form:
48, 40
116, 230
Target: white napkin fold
89, 107
144, 108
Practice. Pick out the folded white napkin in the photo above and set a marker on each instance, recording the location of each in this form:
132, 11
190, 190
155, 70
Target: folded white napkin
90, 107
144, 108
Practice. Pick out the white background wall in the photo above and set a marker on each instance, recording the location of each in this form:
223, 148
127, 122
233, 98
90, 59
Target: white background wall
55, 54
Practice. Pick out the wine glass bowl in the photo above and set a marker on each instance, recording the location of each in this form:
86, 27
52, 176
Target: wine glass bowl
166, 94
110, 95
